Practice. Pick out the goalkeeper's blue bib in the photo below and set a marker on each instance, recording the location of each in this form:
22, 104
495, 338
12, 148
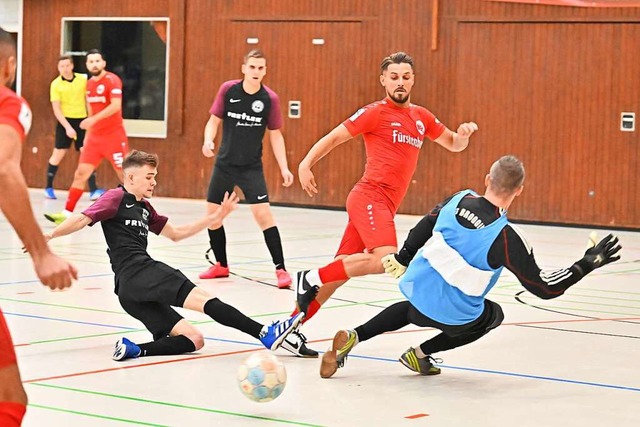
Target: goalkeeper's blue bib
448, 278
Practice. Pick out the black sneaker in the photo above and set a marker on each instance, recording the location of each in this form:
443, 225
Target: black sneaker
305, 293
295, 343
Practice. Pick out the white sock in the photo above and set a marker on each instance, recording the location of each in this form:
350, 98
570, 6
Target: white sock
313, 277
419, 353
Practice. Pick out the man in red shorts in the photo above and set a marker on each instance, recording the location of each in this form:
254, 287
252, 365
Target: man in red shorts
106, 137
15, 121
393, 130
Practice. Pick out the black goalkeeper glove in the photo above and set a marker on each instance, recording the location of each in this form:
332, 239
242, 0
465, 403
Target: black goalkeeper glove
601, 254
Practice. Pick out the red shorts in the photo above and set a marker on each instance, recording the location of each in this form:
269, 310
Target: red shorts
112, 146
370, 223
7, 353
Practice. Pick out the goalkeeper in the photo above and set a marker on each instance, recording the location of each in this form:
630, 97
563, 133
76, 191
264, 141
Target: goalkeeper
468, 242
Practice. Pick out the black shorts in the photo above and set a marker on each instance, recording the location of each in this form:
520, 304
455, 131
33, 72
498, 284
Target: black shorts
491, 317
152, 281
63, 142
250, 179
150, 298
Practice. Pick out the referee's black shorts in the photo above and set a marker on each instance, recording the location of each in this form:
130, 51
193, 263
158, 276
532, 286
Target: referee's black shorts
63, 142
250, 179
149, 294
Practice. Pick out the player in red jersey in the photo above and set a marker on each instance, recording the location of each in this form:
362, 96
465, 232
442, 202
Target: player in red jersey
393, 131
106, 137
15, 121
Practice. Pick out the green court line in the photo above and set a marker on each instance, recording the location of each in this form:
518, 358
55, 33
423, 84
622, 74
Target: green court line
103, 417
172, 405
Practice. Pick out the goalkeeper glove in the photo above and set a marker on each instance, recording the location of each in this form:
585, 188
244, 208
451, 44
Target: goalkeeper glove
393, 266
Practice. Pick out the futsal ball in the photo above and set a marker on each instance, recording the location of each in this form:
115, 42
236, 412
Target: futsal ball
262, 377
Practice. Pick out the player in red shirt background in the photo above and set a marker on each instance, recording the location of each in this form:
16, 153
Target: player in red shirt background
15, 121
393, 130
106, 138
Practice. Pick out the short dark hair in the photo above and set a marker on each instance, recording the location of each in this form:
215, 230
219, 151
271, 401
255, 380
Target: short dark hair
395, 58
138, 158
506, 175
95, 51
65, 58
254, 53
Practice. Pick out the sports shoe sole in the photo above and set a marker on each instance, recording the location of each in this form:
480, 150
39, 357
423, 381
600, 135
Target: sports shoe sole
329, 364
278, 342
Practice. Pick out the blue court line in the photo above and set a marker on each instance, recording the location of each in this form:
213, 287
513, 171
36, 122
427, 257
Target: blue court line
514, 374
383, 359
121, 327
66, 320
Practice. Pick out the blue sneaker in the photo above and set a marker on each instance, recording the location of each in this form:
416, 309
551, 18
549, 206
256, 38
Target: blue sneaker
273, 335
95, 195
125, 349
49, 194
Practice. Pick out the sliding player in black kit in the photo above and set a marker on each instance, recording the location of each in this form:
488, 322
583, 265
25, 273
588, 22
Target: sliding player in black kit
147, 288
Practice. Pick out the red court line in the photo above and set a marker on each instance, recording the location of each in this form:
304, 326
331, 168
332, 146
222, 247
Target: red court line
540, 322
163, 362
413, 417
207, 356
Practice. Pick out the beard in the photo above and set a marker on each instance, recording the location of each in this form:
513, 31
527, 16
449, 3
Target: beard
95, 72
399, 97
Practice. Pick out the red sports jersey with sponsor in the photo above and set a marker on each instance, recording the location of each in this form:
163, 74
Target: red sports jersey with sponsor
14, 111
393, 137
100, 92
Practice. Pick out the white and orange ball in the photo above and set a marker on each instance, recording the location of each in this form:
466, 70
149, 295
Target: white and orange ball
262, 377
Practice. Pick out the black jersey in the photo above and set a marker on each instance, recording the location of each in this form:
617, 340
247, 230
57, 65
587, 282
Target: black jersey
126, 223
510, 249
245, 119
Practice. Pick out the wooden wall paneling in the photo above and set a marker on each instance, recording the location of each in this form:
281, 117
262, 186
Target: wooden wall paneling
528, 73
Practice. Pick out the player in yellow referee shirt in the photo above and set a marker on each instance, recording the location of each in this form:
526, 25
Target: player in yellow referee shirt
68, 100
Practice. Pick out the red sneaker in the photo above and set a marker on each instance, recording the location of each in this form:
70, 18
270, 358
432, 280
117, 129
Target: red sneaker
215, 271
284, 279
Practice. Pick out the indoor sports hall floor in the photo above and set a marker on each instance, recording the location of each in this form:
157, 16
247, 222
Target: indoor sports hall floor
572, 361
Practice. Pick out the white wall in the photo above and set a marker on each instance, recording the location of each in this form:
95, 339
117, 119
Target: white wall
10, 15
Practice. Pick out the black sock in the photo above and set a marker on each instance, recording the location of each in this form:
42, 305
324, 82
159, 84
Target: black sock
229, 316
442, 342
167, 346
218, 242
272, 239
51, 173
391, 318
92, 182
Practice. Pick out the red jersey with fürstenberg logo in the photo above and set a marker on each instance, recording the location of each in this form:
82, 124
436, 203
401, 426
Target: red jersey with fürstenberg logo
15, 112
393, 137
100, 92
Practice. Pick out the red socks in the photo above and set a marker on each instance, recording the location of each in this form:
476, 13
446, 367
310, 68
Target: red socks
72, 200
313, 309
333, 272
11, 414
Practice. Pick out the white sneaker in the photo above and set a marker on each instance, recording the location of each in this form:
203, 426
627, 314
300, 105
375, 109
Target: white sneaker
295, 343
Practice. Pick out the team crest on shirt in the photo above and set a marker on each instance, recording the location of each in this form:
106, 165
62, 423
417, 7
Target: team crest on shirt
257, 106
420, 127
100, 89
145, 214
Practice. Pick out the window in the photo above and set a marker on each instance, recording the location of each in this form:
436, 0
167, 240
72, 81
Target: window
136, 49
